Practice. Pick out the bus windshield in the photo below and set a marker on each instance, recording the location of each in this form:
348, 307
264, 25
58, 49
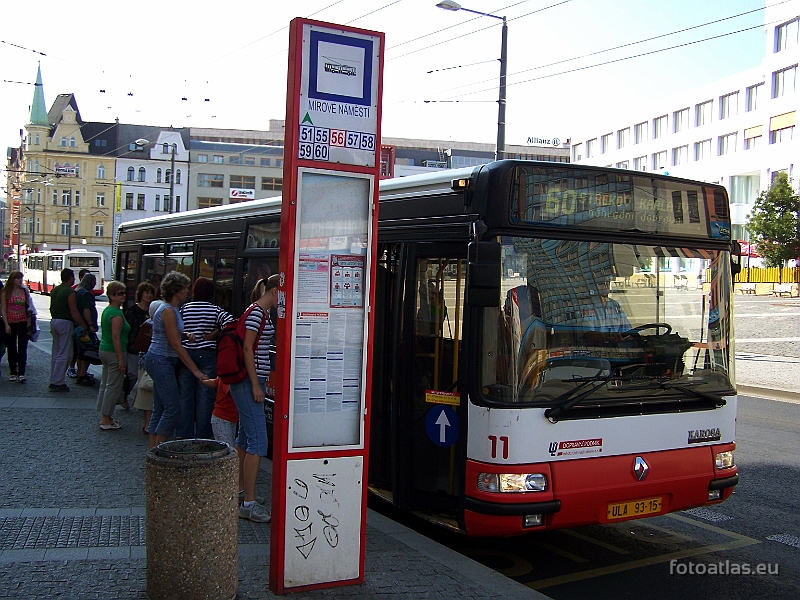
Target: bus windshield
621, 318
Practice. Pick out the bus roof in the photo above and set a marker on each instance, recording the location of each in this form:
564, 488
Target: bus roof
198, 215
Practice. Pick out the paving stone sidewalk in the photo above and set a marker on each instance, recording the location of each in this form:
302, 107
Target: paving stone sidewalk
72, 519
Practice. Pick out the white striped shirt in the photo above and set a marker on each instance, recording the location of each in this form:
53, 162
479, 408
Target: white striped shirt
202, 318
265, 342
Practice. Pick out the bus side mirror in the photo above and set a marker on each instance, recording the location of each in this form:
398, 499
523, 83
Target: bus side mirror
483, 274
736, 265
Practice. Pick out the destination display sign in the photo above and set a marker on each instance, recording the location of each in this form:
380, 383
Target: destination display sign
338, 97
619, 202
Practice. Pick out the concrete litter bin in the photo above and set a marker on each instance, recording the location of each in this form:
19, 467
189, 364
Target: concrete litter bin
191, 502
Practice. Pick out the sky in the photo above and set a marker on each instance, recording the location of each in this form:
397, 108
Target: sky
156, 62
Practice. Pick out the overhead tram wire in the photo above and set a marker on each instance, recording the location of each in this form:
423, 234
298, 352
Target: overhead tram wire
620, 59
373, 12
663, 35
478, 30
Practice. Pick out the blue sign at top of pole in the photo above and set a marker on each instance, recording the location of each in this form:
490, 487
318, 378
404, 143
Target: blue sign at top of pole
442, 425
339, 97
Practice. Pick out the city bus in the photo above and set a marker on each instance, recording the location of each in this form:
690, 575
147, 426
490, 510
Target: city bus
42, 270
553, 343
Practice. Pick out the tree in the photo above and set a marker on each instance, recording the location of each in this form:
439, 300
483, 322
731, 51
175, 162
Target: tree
774, 222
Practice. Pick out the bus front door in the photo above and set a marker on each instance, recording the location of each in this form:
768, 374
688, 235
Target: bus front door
431, 388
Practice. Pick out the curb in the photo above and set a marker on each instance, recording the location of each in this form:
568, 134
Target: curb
769, 393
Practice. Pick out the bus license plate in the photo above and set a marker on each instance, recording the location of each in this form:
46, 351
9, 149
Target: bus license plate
637, 508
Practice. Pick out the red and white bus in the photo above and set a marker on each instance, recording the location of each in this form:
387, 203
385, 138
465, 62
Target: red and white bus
553, 343
42, 270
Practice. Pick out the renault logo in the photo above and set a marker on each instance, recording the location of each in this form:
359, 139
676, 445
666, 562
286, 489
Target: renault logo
640, 468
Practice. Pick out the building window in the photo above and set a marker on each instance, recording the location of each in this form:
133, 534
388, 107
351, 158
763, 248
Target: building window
157, 205
250, 161
165, 149
590, 147
63, 142
605, 143
243, 182
640, 133
727, 144
218, 159
77, 198
623, 138
178, 177
142, 174
786, 36
702, 113
577, 152
234, 160
167, 203
209, 180
72, 142
208, 202
751, 97
55, 197
177, 204
659, 127
744, 188
202, 158
101, 172
158, 176
728, 105
271, 183
680, 155
64, 226
783, 82
140, 202
76, 227
622, 165
660, 160
100, 199
279, 162
167, 176
131, 172
702, 150
66, 197
752, 137
264, 162
39, 196
77, 170
129, 201
99, 229
36, 138
781, 128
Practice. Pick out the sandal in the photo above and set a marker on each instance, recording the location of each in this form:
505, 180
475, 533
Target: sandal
112, 425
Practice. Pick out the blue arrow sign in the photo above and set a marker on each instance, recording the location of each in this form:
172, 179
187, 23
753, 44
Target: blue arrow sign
441, 424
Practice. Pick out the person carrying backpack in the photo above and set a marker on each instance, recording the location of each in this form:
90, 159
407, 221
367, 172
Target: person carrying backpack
248, 395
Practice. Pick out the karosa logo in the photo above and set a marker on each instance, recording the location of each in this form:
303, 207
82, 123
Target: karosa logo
698, 436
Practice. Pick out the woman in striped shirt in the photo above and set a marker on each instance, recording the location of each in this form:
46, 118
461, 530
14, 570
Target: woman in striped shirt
248, 395
205, 320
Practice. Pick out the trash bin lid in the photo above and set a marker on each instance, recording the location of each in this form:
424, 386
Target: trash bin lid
191, 449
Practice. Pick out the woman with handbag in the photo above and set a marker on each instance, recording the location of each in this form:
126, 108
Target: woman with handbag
113, 341
136, 314
16, 313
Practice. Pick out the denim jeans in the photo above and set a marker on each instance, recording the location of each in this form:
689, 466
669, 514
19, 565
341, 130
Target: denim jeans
197, 400
252, 420
166, 399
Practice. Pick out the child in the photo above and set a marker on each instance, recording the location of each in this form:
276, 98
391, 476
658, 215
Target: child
225, 417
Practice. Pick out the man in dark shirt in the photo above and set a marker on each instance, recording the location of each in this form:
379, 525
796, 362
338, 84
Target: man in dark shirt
63, 313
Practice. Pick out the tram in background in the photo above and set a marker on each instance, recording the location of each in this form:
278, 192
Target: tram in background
553, 343
42, 270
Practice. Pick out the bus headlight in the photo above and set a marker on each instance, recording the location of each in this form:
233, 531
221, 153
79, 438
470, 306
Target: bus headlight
725, 460
512, 482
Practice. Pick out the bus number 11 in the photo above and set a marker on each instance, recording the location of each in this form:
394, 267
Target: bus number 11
503, 441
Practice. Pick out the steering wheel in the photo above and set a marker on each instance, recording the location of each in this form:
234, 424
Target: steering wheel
655, 326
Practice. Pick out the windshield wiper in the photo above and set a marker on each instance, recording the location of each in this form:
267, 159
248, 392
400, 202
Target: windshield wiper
715, 399
571, 398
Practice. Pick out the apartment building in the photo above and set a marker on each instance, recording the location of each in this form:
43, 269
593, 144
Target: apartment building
739, 131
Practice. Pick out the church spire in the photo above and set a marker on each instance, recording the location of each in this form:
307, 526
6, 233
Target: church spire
38, 111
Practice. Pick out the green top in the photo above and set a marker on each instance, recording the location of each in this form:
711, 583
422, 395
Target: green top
59, 298
106, 341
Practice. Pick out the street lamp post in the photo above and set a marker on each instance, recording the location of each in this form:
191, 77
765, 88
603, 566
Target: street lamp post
501, 103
